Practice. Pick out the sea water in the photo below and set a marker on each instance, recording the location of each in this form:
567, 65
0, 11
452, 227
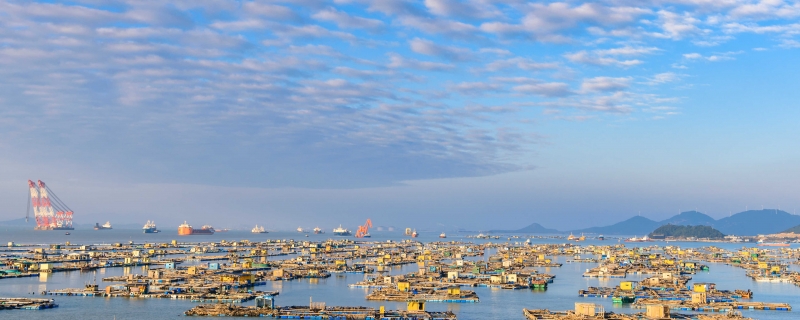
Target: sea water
334, 291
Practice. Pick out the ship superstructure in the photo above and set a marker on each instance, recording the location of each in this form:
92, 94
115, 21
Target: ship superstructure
150, 227
341, 231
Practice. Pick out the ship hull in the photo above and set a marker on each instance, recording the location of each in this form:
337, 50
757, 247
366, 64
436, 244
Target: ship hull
342, 234
150, 230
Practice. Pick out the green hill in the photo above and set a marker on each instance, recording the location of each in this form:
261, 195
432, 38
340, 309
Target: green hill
671, 230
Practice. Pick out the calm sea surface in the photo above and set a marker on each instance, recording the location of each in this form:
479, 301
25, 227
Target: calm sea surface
494, 304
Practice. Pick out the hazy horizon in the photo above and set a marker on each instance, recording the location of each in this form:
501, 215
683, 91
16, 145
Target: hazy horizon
475, 114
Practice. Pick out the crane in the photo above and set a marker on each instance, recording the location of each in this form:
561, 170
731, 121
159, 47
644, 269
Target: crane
363, 231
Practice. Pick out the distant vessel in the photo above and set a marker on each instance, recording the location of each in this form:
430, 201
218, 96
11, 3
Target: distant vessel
341, 231
185, 229
635, 239
149, 227
258, 229
571, 237
601, 237
442, 235
66, 233
301, 230
317, 230
414, 234
408, 231
223, 230
105, 226
761, 243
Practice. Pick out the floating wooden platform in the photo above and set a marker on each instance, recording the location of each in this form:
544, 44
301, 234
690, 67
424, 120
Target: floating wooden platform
26, 303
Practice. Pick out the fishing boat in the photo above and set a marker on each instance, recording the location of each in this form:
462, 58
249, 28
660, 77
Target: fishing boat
149, 227
341, 231
258, 229
317, 230
442, 235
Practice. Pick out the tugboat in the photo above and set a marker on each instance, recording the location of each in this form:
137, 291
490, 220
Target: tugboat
105, 226
317, 230
442, 235
341, 231
149, 227
258, 229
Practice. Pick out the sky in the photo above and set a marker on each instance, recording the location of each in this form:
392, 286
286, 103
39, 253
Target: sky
432, 114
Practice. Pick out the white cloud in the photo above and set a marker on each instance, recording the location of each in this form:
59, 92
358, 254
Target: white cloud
399, 62
598, 84
430, 48
520, 63
344, 20
547, 89
588, 58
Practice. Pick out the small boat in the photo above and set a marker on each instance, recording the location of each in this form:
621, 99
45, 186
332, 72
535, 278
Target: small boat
442, 235
67, 233
601, 237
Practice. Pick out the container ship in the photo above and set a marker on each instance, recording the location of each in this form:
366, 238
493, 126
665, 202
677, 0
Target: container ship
341, 231
149, 227
105, 226
185, 230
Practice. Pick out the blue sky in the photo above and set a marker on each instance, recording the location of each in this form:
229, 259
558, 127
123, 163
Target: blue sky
474, 113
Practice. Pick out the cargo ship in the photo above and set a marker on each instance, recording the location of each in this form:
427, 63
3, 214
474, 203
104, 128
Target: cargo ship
317, 230
341, 231
301, 230
105, 226
258, 229
442, 235
185, 230
149, 227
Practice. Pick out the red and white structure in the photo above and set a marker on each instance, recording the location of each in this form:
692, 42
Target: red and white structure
47, 218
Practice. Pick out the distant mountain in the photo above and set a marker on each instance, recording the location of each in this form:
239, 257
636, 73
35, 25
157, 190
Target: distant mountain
18, 222
678, 231
532, 228
635, 225
755, 222
690, 218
